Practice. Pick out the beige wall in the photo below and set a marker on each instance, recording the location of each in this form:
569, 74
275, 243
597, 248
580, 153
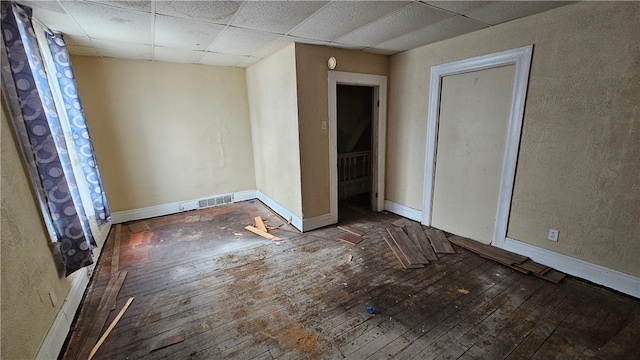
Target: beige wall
271, 85
578, 166
29, 267
313, 108
165, 132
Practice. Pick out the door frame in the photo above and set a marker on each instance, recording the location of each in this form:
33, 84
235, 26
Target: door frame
521, 58
378, 148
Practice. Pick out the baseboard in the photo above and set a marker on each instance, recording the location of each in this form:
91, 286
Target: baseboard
317, 222
53, 342
402, 210
280, 210
171, 208
601, 275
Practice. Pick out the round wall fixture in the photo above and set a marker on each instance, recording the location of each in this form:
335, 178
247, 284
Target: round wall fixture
332, 63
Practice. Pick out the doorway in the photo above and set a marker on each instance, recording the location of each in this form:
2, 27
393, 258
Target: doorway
355, 137
372, 89
519, 60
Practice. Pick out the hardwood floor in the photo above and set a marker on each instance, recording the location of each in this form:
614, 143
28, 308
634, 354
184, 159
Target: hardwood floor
236, 295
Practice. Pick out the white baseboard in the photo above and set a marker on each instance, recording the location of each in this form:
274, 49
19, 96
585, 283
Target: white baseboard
402, 210
317, 222
280, 210
601, 275
171, 208
53, 342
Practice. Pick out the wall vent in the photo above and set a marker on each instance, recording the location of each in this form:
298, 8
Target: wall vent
215, 201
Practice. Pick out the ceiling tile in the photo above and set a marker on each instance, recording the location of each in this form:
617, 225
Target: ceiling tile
403, 21
105, 22
275, 16
341, 17
238, 41
56, 20
219, 12
226, 59
443, 30
82, 50
272, 47
144, 6
77, 40
185, 34
381, 51
45, 5
458, 7
177, 55
502, 11
123, 50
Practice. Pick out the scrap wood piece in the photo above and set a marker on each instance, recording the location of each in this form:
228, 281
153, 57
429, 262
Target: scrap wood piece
400, 222
265, 235
260, 224
407, 248
533, 267
192, 218
420, 239
349, 258
115, 257
439, 241
350, 239
139, 226
396, 251
171, 340
352, 229
101, 315
552, 275
488, 251
108, 331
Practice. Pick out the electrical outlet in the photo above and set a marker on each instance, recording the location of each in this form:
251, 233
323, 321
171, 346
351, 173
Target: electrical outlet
553, 234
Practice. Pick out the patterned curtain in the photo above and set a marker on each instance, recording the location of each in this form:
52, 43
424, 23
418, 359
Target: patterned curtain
44, 132
73, 108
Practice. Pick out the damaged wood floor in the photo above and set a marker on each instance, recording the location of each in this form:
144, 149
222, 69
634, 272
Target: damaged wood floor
230, 294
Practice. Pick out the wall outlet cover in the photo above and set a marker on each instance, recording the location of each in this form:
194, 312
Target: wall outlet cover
553, 234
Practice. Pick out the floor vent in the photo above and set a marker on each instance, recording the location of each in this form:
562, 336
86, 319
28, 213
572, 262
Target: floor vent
215, 201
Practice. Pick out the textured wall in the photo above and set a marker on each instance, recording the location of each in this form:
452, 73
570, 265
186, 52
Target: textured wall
578, 165
271, 85
313, 108
165, 132
29, 267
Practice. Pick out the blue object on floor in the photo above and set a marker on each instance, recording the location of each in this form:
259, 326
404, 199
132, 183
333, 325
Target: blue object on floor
250, 201
371, 310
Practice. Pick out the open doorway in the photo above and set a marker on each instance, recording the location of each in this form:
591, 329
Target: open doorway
355, 136
365, 97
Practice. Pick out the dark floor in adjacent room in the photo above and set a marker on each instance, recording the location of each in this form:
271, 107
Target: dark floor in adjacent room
236, 295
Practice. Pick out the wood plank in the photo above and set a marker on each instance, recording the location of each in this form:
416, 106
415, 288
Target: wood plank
351, 239
352, 229
100, 318
111, 326
488, 251
402, 222
407, 248
533, 267
261, 233
552, 275
396, 251
420, 239
439, 241
115, 257
171, 340
260, 224
192, 218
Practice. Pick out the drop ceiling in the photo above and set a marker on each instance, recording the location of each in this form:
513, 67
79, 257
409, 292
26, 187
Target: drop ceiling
240, 33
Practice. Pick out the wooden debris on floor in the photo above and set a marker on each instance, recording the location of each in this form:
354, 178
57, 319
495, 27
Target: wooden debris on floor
352, 229
115, 258
515, 261
261, 229
400, 256
111, 326
411, 253
139, 226
350, 238
171, 340
349, 258
439, 241
192, 218
414, 230
402, 222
